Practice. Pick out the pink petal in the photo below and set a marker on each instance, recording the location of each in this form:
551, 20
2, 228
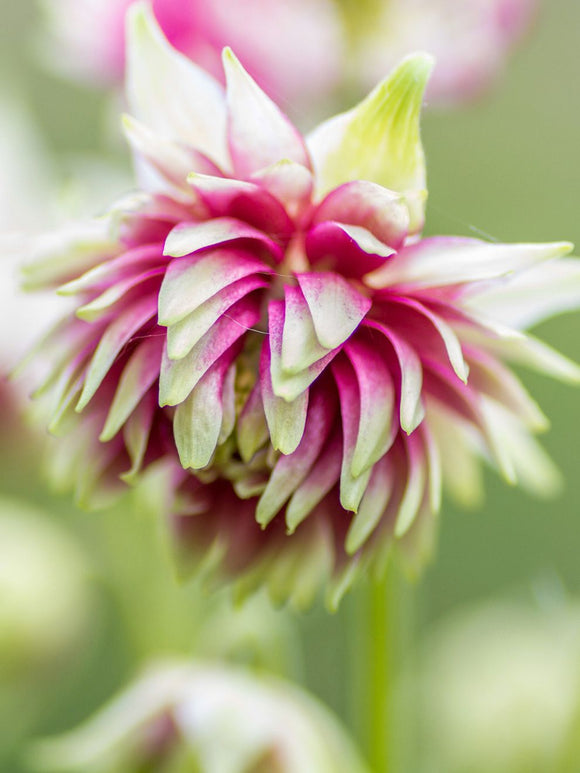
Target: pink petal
351, 251
188, 238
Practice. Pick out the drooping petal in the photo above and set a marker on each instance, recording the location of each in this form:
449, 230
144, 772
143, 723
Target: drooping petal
286, 419
414, 487
252, 429
337, 308
190, 282
170, 94
300, 345
381, 211
140, 373
291, 470
379, 139
178, 377
372, 506
259, 134
188, 238
348, 250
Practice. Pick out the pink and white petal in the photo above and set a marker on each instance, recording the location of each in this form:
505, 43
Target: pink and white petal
323, 476
110, 272
112, 341
446, 333
439, 261
337, 308
169, 93
414, 489
245, 201
352, 488
229, 404
411, 411
372, 506
291, 470
379, 139
286, 385
172, 159
179, 377
136, 433
251, 428
349, 250
381, 211
198, 419
490, 377
188, 238
139, 375
104, 304
531, 296
376, 429
286, 420
259, 134
300, 345
190, 282
183, 335
289, 182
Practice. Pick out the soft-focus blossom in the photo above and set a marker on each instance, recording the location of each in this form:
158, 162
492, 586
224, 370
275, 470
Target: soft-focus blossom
265, 321
293, 49
183, 717
499, 688
470, 39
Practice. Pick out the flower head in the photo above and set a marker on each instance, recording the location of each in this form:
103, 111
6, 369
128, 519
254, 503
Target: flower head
194, 716
265, 321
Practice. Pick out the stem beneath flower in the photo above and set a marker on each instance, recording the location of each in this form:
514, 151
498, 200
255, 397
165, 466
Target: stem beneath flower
381, 640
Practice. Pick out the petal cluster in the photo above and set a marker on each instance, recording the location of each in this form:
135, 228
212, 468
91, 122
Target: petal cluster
264, 321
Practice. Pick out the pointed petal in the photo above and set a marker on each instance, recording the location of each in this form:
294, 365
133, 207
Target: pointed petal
376, 430
198, 419
252, 429
286, 420
136, 434
300, 346
336, 307
291, 470
170, 94
179, 377
183, 335
322, 478
259, 134
372, 506
140, 373
379, 139
104, 303
188, 238
115, 337
414, 489
288, 385
190, 282
439, 261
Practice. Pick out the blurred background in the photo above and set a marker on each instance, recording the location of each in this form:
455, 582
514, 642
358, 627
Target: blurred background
498, 606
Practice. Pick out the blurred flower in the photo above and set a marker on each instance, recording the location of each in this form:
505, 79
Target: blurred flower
265, 320
469, 38
44, 595
293, 49
184, 717
499, 686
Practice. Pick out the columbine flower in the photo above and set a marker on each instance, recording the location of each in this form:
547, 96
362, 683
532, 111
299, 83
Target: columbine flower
265, 319
206, 717
470, 40
293, 49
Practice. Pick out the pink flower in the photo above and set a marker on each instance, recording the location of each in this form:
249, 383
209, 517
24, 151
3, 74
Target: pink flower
293, 49
265, 321
470, 39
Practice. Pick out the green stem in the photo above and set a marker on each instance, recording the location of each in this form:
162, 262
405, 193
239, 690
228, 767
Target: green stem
382, 639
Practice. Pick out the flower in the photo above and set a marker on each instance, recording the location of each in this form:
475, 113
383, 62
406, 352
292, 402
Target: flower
293, 49
265, 321
470, 40
185, 716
